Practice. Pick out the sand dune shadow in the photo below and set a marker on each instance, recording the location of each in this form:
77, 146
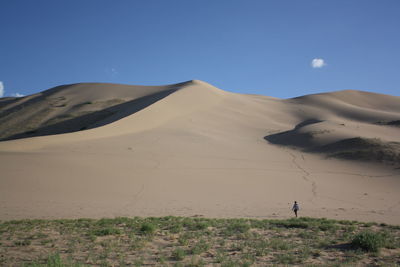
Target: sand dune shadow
96, 118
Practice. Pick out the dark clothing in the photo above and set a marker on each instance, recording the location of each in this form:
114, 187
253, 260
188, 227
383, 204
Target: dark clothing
295, 208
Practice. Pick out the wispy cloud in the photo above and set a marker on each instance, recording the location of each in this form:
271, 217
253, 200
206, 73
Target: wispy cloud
1, 89
17, 95
112, 72
318, 63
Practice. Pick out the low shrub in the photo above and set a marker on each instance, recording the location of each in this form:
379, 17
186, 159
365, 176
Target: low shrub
147, 228
368, 241
106, 231
292, 223
21, 243
178, 254
238, 227
200, 247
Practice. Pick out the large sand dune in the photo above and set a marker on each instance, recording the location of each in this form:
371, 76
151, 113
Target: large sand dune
105, 150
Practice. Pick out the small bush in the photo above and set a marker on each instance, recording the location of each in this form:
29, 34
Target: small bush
238, 227
178, 254
200, 247
196, 225
22, 243
106, 231
285, 259
54, 260
368, 241
147, 228
105, 222
327, 227
175, 228
307, 235
279, 244
201, 225
292, 223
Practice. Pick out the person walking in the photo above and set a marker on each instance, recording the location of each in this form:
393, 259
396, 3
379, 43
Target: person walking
295, 208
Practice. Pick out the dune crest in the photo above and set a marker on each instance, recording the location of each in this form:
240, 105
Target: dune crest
88, 106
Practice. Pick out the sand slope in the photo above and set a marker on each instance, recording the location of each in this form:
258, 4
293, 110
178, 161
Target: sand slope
193, 149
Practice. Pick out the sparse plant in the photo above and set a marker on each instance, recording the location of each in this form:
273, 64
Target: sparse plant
195, 262
106, 231
279, 244
200, 247
237, 227
183, 239
285, 259
220, 257
368, 241
21, 243
225, 242
138, 262
178, 254
175, 228
161, 259
55, 260
147, 228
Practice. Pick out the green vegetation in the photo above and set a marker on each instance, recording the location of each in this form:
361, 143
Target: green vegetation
106, 231
369, 241
182, 241
55, 261
147, 228
178, 254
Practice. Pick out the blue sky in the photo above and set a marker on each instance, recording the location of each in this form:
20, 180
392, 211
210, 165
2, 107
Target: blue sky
249, 46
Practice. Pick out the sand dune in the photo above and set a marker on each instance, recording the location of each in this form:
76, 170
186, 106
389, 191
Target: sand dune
71, 108
95, 150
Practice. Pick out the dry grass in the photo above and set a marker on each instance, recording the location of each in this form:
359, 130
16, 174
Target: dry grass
180, 241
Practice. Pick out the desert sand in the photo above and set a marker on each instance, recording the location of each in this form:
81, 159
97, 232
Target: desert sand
191, 149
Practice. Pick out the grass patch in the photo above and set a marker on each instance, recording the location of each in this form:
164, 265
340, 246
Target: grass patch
285, 259
55, 261
182, 241
237, 227
178, 254
369, 241
200, 247
147, 228
106, 231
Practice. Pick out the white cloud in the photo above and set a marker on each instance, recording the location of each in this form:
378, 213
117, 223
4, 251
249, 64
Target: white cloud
17, 95
1, 89
318, 63
112, 72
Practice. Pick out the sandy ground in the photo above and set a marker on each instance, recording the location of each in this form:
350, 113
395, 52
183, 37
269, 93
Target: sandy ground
200, 151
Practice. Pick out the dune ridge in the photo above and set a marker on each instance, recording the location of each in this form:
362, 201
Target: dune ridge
70, 108
95, 150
